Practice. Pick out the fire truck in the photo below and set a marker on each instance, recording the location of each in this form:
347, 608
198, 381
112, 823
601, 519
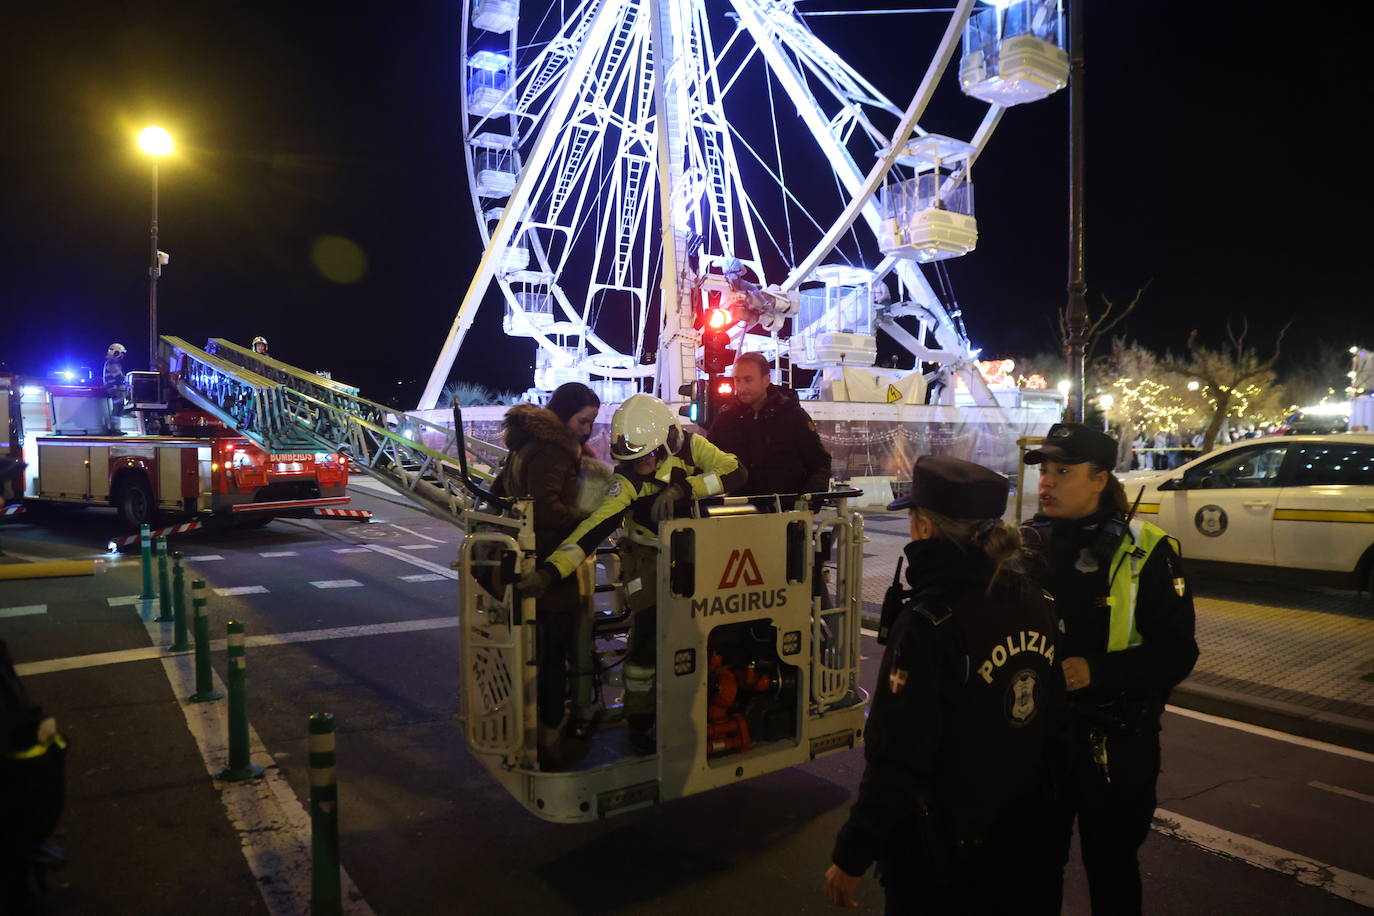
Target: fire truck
164, 455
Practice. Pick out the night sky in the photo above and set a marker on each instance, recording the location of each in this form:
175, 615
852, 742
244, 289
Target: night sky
1226, 164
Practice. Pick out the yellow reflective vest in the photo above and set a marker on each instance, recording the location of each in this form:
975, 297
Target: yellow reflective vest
1124, 576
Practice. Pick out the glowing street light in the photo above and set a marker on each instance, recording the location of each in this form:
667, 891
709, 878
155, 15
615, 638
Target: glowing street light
1064, 386
1106, 401
1193, 385
157, 143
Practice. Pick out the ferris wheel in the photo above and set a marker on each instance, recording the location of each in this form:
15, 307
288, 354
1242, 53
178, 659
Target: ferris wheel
634, 162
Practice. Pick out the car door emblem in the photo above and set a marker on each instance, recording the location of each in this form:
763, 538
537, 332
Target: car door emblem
1211, 521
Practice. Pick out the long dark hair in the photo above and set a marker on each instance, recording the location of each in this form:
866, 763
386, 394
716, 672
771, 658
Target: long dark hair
1114, 496
570, 397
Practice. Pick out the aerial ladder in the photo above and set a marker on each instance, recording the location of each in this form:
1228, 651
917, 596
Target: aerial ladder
282, 408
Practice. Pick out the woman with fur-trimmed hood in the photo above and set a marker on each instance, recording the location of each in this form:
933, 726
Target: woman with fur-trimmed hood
549, 463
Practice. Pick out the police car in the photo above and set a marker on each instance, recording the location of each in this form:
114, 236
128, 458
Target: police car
1303, 505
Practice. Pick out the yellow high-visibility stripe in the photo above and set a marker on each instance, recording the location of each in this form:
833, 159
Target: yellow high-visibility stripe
1147, 509
1324, 515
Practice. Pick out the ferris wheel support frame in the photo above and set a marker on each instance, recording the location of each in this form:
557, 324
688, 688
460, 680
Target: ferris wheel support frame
605, 18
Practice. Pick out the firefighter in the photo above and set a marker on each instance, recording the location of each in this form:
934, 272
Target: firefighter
968, 694
659, 466
114, 380
770, 433
1127, 640
260, 346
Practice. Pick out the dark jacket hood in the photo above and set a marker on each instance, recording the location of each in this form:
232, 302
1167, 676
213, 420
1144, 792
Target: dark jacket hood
526, 423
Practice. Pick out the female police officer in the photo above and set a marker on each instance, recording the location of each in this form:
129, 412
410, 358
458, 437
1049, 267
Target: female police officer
1127, 639
967, 695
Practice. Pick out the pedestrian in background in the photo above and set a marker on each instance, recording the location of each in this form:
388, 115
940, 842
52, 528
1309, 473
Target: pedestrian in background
1126, 640
952, 801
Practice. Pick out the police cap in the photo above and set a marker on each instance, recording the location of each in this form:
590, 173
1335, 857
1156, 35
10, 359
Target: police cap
958, 489
1074, 443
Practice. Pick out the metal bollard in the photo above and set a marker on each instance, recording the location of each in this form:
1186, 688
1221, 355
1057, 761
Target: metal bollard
145, 543
164, 591
240, 767
179, 641
205, 680
326, 896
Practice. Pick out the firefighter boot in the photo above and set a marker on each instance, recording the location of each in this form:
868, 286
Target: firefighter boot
639, 707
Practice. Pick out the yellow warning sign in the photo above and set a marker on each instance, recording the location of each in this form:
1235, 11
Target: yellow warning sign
893, 395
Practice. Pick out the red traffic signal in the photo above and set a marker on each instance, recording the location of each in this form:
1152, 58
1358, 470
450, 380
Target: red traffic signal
724, 386
718, 318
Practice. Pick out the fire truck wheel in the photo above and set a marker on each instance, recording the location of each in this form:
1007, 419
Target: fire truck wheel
135, 502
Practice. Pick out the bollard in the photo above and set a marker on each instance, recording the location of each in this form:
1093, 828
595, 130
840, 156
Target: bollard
145, 543
239, 767
326, 897
179, 641
205, 675
164, 591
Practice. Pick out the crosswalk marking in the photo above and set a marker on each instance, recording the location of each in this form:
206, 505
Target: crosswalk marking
241, 590
337, 583
122, 600
423, 577
205, 559
419, 546
27, 610
278, 553
351, 550
1339, 790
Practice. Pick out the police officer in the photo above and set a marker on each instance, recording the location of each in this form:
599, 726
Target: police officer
1127, 618
770, 433
968, 693
659, 467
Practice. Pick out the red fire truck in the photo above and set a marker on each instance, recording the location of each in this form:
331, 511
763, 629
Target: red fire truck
193, 467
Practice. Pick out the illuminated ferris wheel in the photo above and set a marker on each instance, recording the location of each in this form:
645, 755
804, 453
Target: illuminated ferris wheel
631, 161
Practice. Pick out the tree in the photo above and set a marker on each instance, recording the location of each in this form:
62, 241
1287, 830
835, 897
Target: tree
1231, 376
1096, 329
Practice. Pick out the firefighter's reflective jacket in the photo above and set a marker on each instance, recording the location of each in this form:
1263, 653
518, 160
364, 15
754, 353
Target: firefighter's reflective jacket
697, 465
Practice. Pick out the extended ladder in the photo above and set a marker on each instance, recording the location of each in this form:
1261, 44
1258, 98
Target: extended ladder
282, 408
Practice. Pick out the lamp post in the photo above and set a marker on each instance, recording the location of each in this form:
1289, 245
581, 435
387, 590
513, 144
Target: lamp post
1106, 401
157, 143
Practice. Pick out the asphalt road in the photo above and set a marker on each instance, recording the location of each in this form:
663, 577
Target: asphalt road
425, 830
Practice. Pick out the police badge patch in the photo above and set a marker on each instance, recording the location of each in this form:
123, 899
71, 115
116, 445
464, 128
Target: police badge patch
614, 489
896, 679
1022, 699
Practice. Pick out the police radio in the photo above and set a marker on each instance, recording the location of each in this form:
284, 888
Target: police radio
894, 599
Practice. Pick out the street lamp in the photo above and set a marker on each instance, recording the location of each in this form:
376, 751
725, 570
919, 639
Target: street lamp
157, 143
1106, 401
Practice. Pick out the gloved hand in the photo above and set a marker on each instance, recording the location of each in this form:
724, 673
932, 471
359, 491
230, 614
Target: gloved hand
662, 508
534, 583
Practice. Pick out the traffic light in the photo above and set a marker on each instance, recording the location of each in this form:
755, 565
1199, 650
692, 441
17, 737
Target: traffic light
719, 392
716, 355
695, 408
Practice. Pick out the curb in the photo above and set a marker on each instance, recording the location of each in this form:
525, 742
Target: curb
1288, 718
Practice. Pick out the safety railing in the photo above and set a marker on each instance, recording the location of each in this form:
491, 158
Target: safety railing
835, 629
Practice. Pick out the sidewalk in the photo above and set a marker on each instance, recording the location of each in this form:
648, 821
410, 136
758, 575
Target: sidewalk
1293, 658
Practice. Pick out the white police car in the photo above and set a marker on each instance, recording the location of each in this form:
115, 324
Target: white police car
1303, 505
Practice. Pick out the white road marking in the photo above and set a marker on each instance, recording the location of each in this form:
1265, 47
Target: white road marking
274, 828
423, 577
122, 600
351, 550
241, 590
867, 632
417, 534
71, 663
419, 547
1271, 733
27, 610
279, 553
337, 583
205, 559
1338, 790
1333, 880
414, 561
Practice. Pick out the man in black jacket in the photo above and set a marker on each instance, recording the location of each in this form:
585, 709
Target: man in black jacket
772, 436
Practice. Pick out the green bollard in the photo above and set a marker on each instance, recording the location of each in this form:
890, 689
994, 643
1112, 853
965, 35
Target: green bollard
179, 641
326, 896
205, 680
239, 767
164, 591
145, 543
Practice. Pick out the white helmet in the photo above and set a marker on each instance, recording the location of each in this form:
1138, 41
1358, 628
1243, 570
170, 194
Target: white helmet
259, 340
642, 424
117, 348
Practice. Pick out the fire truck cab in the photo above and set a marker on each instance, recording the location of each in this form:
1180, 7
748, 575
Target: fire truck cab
165, 456
757, 664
